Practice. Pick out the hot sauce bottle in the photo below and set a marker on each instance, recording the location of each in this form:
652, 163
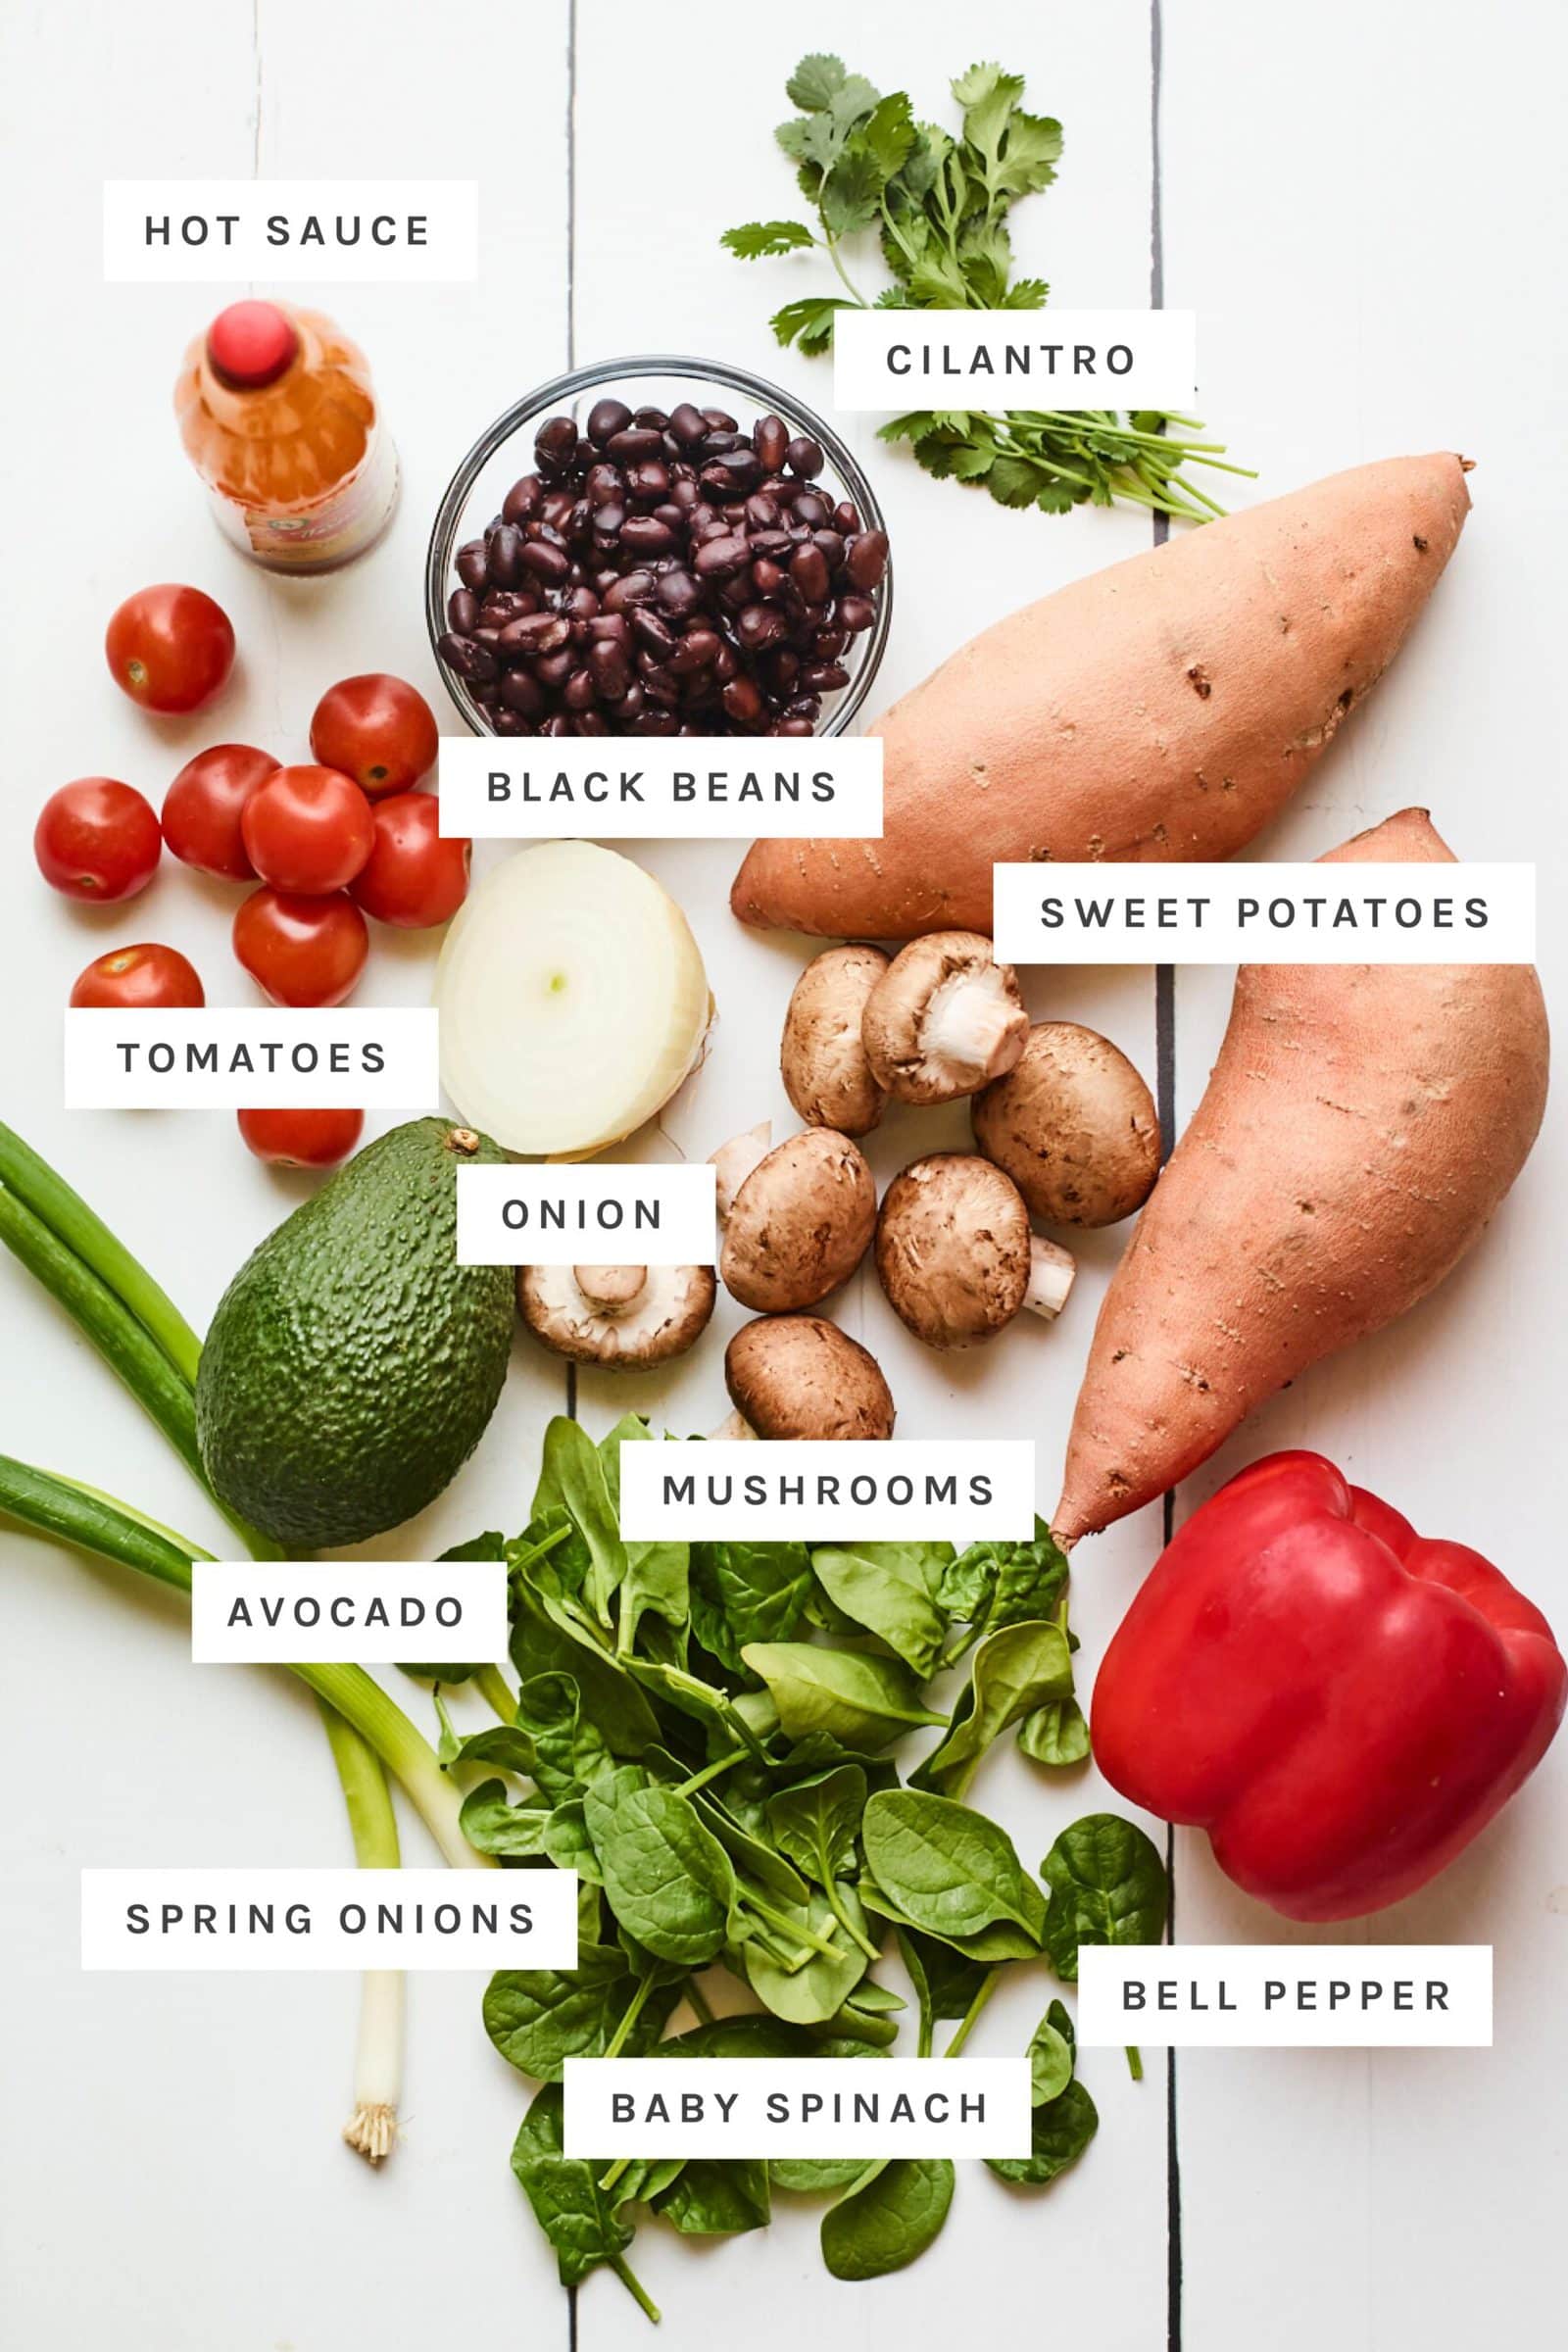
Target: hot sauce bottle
280, 418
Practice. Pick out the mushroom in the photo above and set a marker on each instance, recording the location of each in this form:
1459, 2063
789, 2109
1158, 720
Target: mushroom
797, 1220
823, 1059
796, 1376
944, 1019
956, 1256
623, 1318
1074, 1126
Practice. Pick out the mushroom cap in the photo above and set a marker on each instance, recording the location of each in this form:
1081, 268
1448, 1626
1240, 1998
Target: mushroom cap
1074, 1126
944, 1019
823, 1059
800, 1224
953, 1249
665, 1314
796, 1376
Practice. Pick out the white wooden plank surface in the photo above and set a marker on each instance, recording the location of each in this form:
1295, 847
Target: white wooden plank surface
1357, 208
1362, 293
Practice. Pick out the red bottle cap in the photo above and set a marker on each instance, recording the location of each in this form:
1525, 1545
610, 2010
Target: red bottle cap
250, 344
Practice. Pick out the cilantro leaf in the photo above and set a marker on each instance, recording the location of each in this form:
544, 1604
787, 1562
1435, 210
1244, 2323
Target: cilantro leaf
850, 190
758, 237
810, 321
813, 81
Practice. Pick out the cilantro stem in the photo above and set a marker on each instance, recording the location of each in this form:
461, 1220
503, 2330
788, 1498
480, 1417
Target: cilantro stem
845, 278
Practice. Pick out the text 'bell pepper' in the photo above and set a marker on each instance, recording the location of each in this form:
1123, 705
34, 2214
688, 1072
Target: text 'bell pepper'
1342, 1705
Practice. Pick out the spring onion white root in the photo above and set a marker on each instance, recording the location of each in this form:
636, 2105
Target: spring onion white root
572, 1001
372, 2130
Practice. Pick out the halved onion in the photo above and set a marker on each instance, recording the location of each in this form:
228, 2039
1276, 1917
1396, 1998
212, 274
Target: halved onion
572, 1001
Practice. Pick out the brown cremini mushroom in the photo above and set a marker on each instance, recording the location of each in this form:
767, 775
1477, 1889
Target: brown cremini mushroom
944, 1019
622, 1318
799, 1219
956, 1255
823, 1059
796, 1376
1073, 1125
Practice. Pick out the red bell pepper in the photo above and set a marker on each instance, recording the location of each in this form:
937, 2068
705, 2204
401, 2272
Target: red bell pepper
1339, 1704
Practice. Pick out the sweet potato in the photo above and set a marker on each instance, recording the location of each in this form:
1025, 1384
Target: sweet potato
1361, 1124
1166, 708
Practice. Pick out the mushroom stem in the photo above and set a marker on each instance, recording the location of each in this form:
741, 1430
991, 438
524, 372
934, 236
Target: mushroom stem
972, 1026
1051, 1278
734, 1161
610, 1288
733, 1425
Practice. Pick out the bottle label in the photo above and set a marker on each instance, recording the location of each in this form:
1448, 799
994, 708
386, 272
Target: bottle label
341, 526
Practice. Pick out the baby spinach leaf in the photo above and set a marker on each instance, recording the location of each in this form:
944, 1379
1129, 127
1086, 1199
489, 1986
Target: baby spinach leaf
810, 2176
1003, 1941
500, 1744
888, 1587
568, 1843
816, 1822
1108, 1886
995, 1584
1051, 2056
1017, 1669
568, 1751
572, 1479
657, 1576
717, 2197
574, 2211
493, 1825
865, 1702
1056, 1733
541, 1644
889, 2218
1060, 2132
946, 1981
751, 1855
947, 1867
666, 1878
540, 2016
810, 1995
748, 1593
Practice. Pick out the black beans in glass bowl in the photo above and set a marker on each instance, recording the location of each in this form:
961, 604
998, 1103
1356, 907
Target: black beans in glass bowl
689, 556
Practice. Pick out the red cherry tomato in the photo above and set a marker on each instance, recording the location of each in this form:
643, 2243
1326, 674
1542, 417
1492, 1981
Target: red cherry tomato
376, 729
140, 979
169, 648
202, 808
302, 1139
413, 877
302, 951
97, 839
308, 829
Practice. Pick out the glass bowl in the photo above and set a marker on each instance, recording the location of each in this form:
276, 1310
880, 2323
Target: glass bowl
505, 451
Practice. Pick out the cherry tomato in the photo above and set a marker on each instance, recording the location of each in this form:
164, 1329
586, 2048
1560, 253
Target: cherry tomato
376, 729
302, 1139
308, 829
169, 648
140, 979
202, 808
302, 951
97, 839
413, 877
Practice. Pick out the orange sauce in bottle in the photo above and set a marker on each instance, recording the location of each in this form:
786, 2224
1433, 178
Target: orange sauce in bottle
278, 417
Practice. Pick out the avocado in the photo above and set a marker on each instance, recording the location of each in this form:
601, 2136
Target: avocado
353, 1365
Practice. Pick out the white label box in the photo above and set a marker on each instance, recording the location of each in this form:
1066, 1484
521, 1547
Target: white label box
691, 788
1251, 913
220, 1921
610, 1213
797, 2107
311, 231
1252, 1996
991, 360
285, 1613
258, 1057
781, 1489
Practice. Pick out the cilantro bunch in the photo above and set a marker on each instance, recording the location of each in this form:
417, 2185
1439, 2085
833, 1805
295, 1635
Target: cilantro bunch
938, 206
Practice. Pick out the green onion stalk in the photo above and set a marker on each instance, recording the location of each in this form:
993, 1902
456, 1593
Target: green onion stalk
143, 1338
